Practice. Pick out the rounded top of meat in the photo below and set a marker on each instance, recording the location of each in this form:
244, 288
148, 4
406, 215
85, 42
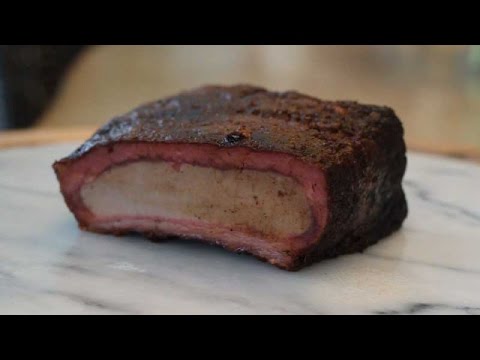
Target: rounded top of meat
317, 131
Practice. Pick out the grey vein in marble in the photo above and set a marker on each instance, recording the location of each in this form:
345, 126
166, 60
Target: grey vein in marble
420, 308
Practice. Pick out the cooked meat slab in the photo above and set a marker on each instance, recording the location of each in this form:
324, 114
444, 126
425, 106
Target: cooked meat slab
286, 177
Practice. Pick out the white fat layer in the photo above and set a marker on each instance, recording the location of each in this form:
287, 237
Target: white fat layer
263, 201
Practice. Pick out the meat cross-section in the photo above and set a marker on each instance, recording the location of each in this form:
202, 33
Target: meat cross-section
285, 177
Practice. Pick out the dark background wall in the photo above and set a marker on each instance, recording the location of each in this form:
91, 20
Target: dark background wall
3, 104
29, 77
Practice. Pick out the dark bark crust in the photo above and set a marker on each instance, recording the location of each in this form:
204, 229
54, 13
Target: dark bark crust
359, 147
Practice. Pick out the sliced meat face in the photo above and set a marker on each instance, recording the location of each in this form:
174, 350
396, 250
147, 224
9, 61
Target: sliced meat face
262, 202
267, 204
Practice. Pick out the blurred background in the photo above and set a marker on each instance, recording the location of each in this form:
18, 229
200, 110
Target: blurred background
69, 90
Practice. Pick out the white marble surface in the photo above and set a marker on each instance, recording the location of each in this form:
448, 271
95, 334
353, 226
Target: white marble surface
48, 266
